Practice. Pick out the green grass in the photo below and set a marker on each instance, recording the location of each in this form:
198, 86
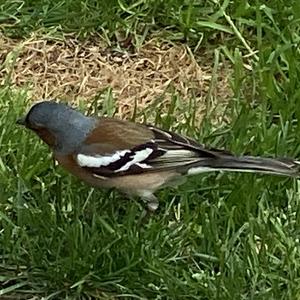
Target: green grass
219, 236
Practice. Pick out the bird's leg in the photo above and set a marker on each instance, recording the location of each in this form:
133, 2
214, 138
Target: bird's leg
150, 199
152, 203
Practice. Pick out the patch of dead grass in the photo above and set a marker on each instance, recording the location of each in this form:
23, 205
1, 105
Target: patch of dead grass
73, 70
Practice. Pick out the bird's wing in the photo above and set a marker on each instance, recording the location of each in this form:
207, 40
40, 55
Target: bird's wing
118, 147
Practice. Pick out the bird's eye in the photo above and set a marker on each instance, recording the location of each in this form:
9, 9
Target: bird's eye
33, 125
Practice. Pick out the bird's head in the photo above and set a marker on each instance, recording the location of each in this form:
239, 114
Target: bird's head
57, 124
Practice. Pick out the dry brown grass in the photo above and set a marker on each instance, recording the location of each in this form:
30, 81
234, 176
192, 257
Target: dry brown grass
73, 70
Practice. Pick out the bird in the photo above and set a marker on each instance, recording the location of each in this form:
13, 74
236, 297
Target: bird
137, 159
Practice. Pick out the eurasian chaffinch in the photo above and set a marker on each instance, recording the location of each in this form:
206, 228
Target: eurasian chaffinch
135, 158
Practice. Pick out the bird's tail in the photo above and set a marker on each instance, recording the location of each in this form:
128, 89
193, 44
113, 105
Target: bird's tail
285, 167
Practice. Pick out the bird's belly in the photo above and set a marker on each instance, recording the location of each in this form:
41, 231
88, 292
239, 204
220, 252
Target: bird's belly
146, 181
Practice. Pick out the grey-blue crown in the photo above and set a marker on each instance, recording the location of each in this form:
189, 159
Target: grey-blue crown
70, 127
48, 113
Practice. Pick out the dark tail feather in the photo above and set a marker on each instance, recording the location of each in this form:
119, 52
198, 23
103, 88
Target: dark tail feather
286, 167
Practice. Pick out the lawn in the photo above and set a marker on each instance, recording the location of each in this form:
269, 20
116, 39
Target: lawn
218, 236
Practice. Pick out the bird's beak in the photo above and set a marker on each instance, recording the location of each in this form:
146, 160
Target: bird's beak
21, 121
